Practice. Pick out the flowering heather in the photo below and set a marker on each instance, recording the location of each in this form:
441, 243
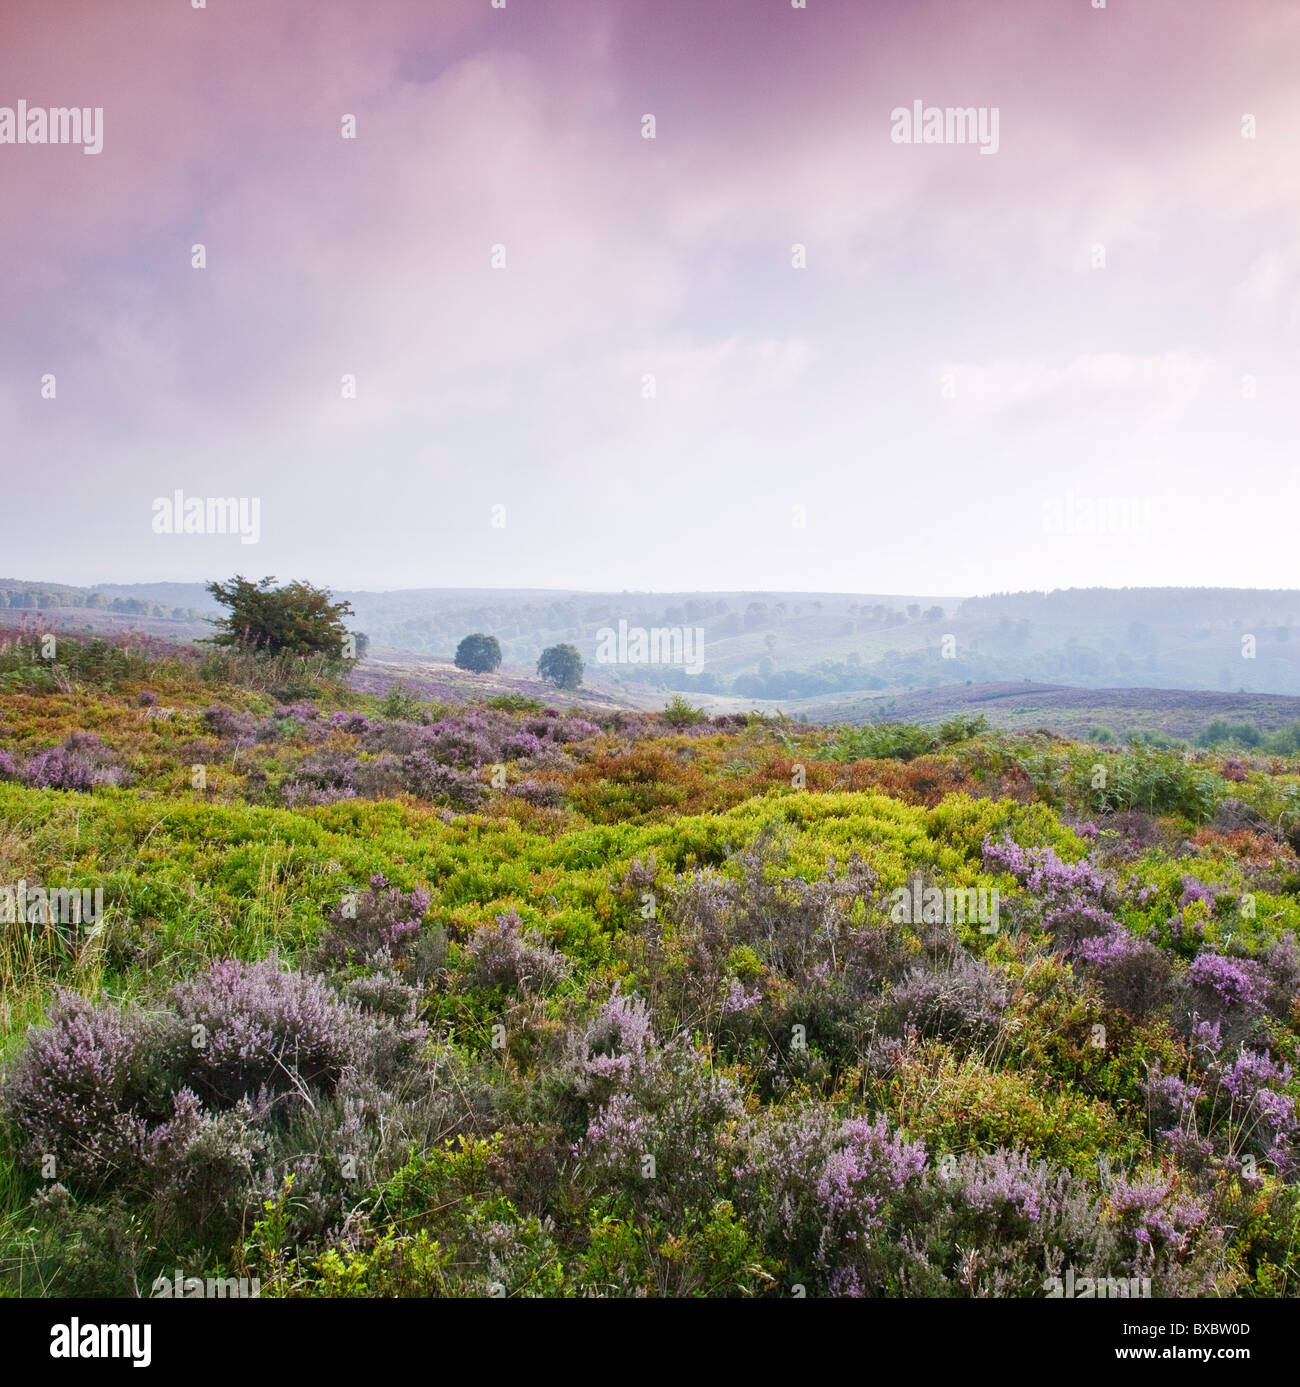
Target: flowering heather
520, 745
1001, 1185
477, 737
1073, 894
1206, 1040
506, 954
616, 1045
1280, 962
203, 1163
468, 742
355, 724
543, 794
301, 713
380, 919
324, 777
563, 730
1194, 890
619, 1136
263, 1029
1042, 872
1133, 974
1158, 1218
1262, 1119
1250, 1072
1223, 983
83, 762
70, 1092
730, 1069
737, 999
428, 779
965, 1002
1172, 1101
230, 726
679, 1111
866, 1166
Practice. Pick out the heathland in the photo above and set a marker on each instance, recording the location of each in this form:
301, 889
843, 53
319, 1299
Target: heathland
399, 993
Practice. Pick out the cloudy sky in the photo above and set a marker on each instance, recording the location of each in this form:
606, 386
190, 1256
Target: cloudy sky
1071, 361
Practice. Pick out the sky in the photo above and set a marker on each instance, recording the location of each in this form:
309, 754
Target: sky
772, 347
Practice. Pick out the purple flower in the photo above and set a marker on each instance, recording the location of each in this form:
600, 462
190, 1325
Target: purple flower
737, 999
508, 955
866, 1167
1156, 1217
1194, 890
82, 763
1232, 982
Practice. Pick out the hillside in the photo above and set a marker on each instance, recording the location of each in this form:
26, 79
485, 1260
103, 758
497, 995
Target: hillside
783, 647
381, 996
1079, 712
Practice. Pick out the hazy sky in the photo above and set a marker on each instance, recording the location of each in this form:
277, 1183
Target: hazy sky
954, 392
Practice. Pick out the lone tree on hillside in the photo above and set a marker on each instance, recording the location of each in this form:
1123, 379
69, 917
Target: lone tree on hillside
561, 665
297, 619
479, 653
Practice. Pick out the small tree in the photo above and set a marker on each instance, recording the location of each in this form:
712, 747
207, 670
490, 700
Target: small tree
297, 619
561, 665
479, 653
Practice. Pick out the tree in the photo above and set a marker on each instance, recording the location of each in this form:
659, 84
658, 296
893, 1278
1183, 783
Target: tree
561, 665
479, 653
297, 619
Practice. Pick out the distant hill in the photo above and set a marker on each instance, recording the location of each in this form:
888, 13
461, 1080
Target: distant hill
790, 647
1070, 711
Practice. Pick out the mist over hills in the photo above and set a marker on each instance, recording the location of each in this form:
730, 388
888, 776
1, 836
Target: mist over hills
797, 645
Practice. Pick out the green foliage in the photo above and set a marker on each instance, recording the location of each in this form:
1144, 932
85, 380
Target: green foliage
399, 704
561, 665
902, 741
1159, 782
872, 741
478, 653
679, 713
515, 703
296, 619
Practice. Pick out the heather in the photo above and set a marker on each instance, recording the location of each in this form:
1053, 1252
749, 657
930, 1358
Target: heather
413, 997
